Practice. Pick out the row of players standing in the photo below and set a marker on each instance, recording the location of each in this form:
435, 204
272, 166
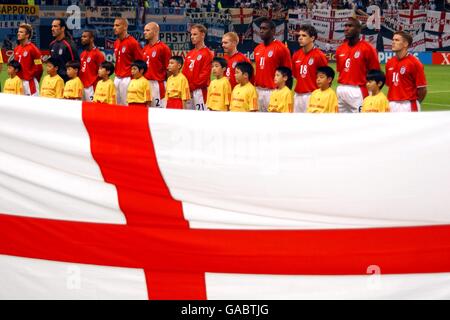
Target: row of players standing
355, 57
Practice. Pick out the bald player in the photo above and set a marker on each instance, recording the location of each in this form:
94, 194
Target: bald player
232, 55
156, 55
126, 50
197, 68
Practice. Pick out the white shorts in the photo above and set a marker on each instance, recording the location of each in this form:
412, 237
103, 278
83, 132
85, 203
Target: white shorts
88, 94
158, 100
121, 85
27, 89
301, 102
263, 98
404, 106
198, 100
350, 98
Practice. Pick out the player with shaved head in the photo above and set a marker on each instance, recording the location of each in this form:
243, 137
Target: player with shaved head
156, 55
126, 50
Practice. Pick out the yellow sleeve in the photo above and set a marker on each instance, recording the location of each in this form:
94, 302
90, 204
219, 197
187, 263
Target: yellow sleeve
208, 95
253, 100
289, 102
19, 88
227, 92
386, 105
1, 58
59, 90
148, 91
166, 95
80, 90
112, 94
185, 93
333, 103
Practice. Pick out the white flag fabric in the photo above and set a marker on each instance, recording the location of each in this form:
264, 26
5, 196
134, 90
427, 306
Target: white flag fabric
111, 202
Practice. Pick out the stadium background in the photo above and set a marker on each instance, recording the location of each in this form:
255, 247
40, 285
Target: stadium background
427, 20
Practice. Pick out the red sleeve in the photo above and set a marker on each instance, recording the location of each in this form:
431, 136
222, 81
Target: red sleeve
204, 76
295, 73
338, 61
421, 81
137, 51
372, 59
323, 61
100, 58
37, 68
387, 73
286, 60
166, 56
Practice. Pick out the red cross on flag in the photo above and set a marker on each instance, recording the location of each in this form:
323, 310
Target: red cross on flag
112, 202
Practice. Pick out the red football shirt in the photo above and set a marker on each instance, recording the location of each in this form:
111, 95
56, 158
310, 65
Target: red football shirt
267, 60
304, 69
232, 61
353, 63
403, 77
157, 58
90, 61
26, 56
197, 68
126, 51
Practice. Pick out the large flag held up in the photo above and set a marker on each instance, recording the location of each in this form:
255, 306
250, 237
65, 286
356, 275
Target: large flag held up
114, 202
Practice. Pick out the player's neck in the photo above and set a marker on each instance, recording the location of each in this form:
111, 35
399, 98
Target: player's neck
353, 41
90, 47
324, 88
200, 45
24, 42
12, 76
244, 82
232, 53
308, 47
175, 73
401, 54
152, 42
122, 36
268, 41
105, 78
281, 86
60, 37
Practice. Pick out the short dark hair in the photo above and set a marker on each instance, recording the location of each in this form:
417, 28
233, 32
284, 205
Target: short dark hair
223, 63
245, 67
140, 64
310, 30
200, 28
52, 61
286, 72
15, 64
108, 66
73, 64
178, 59
268, 21
91, 33
328, 71
377, 76
406, 36
62, 22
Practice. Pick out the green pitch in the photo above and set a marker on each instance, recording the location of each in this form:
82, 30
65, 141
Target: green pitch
438, 78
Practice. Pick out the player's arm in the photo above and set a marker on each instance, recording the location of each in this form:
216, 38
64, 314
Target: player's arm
148, 94
286, 60
253, 101
205, 72
227, 95
421, 83
20, 88
421, 93
112, 94
372, 59
59, 90
166, 57
137, 51
37, 64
